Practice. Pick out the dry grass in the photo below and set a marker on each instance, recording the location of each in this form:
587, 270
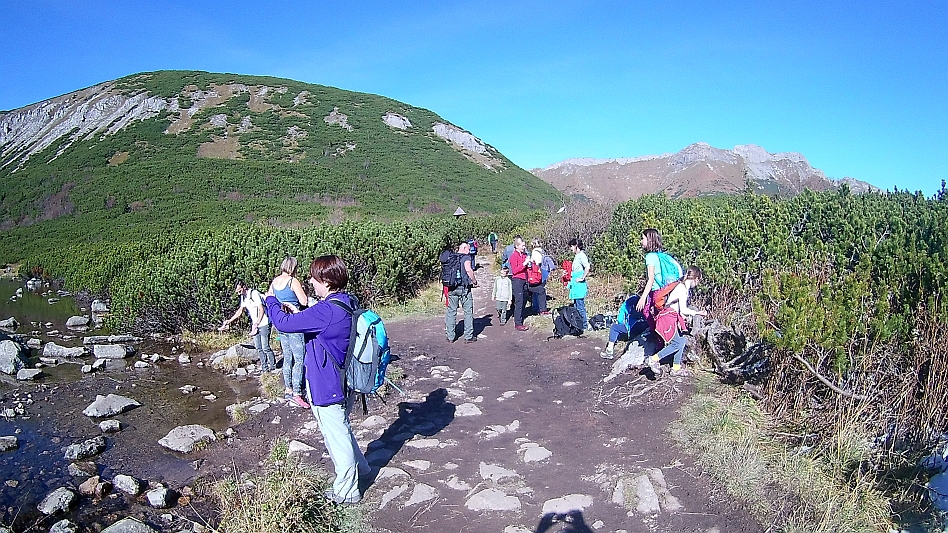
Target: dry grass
287, 497
209, 341
734, 442
427, 303
271, 385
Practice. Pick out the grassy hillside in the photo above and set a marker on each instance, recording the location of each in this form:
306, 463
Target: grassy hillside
263, 149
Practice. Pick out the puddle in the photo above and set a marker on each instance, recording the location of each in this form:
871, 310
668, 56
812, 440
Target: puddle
53, 407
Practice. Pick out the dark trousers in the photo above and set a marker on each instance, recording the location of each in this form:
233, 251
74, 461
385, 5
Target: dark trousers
538, 294
519, 295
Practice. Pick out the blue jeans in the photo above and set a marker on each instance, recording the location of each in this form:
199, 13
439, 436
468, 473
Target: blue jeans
580, 304
617, 330
676, 345
262, 341
294, 350
459, 297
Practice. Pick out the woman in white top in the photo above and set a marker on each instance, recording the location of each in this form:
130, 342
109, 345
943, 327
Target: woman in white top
671, 317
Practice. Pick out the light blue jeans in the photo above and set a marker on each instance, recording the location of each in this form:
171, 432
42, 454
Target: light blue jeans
262, 341
347, 459
294, 349
580, 304
676, 345
464, 298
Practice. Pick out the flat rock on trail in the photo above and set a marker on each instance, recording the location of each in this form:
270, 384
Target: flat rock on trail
516, 433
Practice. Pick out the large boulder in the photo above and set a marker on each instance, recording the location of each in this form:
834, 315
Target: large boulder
112, 351
184, 438
110, 405
84, 450
11, 357
238, 355
76, 322
55, 351
58, 501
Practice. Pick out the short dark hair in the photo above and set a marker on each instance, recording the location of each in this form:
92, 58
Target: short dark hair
240, 284
331, 270
577, 243
653, 240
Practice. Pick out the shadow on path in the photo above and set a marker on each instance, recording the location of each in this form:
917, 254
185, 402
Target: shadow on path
572, 521
425, 418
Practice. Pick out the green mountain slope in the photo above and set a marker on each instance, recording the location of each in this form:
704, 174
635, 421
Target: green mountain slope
157, 151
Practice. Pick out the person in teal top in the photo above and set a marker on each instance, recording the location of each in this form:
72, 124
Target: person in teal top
660, 269
577, 284
492, 240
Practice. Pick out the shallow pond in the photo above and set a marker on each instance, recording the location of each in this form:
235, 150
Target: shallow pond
52, 408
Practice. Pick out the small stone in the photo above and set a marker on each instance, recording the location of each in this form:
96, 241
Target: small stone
421, 493
420, 464
210, 398
493, 500
83, 469
110, 426
86, 369
390, 471
28, 374
496, 472
110, 405
127, 484
393, 493
184, 438
93, 446
646, 498
57, 501
141, 364
297, 447
373, 421
184, 359
187, 389
241, 372
539, 453
159, 498
64, 526
99, 364
8, 443
456, 483
258, 408
467, 409
87, 487
128, 525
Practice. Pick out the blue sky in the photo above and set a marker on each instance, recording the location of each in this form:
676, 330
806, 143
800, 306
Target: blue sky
860, 89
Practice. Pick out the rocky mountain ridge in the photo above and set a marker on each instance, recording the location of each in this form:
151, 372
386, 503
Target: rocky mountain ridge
696, 170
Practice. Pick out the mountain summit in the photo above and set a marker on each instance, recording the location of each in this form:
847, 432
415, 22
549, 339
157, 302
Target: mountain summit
698, 169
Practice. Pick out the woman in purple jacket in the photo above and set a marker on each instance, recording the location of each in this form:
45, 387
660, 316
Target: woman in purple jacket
325, 328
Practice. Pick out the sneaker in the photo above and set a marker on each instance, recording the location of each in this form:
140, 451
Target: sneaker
335, 498
300, 402
469, 341
502, 322
521, 328
680, 372
607, 354
654, 366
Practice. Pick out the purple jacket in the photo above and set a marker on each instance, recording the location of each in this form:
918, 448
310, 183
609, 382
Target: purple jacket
325, 328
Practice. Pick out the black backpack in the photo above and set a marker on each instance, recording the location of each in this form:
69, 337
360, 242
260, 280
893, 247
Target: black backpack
451, 275
567, 321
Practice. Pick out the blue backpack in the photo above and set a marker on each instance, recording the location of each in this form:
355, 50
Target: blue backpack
368, 355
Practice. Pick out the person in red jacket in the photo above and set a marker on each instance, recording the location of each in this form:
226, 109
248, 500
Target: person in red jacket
518, 277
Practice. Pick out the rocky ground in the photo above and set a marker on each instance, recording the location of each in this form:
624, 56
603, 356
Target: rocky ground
515, 433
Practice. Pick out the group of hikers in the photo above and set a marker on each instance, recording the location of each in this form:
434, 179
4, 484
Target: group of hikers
316, 333
662, 306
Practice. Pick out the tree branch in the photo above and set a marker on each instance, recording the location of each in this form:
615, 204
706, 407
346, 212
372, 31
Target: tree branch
827, 382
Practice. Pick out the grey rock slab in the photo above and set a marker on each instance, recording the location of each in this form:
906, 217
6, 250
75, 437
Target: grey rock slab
128, 525
64, 526
83, 469
565, 504
421, 493
77, 321
8, 443
373, 421
423, 443
86, 449
57, 501
99, 364
28, 374
454, 482
535, 454
159, 498
467, 409
110, 426
9, 323
297, 447
496, 472
53, 350
419, 464
393, 493
127, 484
110, 405
258, 408
668, 502
11, 358
184, 438
112, 351
390, 472
493, 500
646, 499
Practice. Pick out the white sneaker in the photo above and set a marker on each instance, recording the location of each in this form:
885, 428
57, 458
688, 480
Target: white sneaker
654, 366
607, 354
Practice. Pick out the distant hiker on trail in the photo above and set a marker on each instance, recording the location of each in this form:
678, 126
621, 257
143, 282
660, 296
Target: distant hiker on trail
629, 325
472, 243
289, 291
502, 293
326, 328
536, 281
660, 269
670, 321
251, 300
577, 284
492, 241
518, 273
457, 276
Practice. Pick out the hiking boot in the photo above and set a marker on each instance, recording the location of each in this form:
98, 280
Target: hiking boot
521, 328
654, 366
300, 402
607, 354
469, 341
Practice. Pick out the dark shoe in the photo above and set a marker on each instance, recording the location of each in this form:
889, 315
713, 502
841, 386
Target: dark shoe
450, 340
522, 328
469, 341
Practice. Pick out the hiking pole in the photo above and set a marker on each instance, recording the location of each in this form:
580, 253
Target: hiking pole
394, 386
